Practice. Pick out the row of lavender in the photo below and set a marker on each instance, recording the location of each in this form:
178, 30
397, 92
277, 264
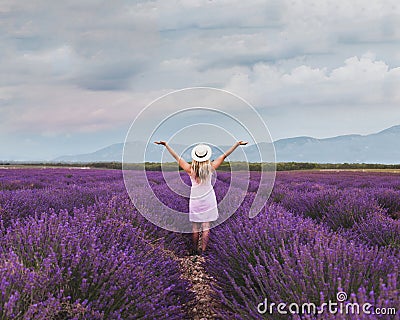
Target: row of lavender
319, 234
73, 247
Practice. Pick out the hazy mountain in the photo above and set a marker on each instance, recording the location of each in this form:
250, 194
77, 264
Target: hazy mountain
381, 147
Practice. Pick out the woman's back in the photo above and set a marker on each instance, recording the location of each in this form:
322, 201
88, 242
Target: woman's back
196, 180
203, 202
200, 188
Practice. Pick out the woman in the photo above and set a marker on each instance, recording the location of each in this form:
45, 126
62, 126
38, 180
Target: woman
202, 204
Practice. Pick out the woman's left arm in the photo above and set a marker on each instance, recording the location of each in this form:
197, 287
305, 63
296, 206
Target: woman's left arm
182, 163
217, 162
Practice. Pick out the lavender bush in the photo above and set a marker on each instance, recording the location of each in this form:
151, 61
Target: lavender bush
377, 230
351, 207
390, 200
283, 257
88, 265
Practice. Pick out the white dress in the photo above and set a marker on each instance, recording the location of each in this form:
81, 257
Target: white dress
202, 202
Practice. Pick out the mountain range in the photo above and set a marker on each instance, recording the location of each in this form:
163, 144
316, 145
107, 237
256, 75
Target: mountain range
381, 147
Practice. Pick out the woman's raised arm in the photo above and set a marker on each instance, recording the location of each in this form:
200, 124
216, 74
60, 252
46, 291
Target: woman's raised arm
217, 162
182, 163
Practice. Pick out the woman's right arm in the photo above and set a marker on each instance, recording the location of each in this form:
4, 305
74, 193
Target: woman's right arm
182, 163
217, 162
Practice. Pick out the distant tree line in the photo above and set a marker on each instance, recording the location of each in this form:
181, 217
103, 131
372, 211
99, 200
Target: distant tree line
226, 166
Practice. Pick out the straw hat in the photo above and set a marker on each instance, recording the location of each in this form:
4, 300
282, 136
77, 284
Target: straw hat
201, 152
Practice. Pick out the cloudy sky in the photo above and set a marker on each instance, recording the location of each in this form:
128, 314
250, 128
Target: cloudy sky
75, 74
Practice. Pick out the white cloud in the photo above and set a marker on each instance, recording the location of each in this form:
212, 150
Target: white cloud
359, 80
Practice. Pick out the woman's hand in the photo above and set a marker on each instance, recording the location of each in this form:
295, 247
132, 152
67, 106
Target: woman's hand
217, 162
182, 163
164, 143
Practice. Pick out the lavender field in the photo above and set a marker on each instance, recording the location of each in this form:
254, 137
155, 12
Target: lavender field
74, 247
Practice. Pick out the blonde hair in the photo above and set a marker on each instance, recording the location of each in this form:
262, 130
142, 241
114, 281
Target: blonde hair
202, 170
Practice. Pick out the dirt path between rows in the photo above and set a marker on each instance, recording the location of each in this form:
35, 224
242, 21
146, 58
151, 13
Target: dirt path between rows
192, 270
